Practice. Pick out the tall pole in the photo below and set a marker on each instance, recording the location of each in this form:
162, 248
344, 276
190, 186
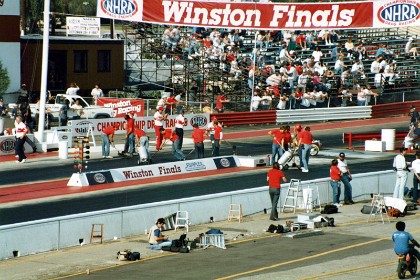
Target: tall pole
44, 71
254, 58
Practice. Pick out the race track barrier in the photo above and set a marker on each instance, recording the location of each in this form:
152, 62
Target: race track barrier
351, 137
239, 118
392, 109
67, 231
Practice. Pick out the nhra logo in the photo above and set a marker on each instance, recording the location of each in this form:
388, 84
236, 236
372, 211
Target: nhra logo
225, 162
7, 145
85, 127
99, 178
200, 120
399, 12
121, 8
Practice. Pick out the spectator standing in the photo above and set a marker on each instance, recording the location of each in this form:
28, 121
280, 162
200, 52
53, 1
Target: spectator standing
416, 177
107, 136
414, 115
335, 174
96, 93
179, 100
255, 102
345, 178
409, 49
361, 96
21, 130
77, 107
274, 176
73, 89
306, 140
220, 100
3, 114
346, 96
266, 101
198, 137
401, 166
63, 113
317, 54
179, 127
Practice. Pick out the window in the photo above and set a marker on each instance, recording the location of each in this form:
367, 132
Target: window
104, 61
80, 61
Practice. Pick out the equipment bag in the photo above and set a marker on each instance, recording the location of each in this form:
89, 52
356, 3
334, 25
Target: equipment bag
135, 256
124, 255
394, 212
330, 209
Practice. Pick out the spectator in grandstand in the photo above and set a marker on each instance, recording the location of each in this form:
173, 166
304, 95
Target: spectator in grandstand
206, 107
324, 35
375, 67
320, 98
292, 44
317, 54
221, 99
256, 101
409, 49
301, 40
310, 40
261, 40
369, 93
167, 38
213, 35
334, 36
346, 78
380, 50
349, 46
308, 100
361, 96
274, 80
357, 69
360, 52
318, 84
234, 68
336, 52
251, 77
293, 76
389, 72
414, 115
303, 81
283, 101
284, 54
73, 89
266, 100
176, 36
346, 96
179, 100
339, 65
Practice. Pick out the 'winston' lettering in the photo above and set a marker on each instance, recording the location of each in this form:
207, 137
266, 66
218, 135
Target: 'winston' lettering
138, 174
292, 16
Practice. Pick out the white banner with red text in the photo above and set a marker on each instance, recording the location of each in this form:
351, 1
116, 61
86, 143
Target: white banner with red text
123, 106
266, 16
81, 127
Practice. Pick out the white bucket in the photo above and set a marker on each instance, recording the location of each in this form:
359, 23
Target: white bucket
388, 135
62, 150
408, 142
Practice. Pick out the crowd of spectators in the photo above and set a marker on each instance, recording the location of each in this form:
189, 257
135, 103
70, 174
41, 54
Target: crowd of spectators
292, 69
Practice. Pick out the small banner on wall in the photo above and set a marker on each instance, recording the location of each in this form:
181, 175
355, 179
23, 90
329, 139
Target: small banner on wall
224, 162
123, 106
267, 16
97, 178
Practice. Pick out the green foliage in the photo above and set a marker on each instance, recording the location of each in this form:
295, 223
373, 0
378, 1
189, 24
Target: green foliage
4, 79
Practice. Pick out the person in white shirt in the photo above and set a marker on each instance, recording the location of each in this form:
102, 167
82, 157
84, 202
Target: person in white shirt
284, 54
375, 67
339, 65
346, 95
158, 122
361, 96
73, 89
266, 101
274, 80
179, 127
255, 102
317, 54
308, 99
409, 49
345, 178
303, 81
389, 73
77, 107
357, 69
20, 133
400, 165
416, 177
97, 93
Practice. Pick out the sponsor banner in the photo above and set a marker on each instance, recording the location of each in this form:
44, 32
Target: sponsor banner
81, 127
8, 143
123, 106
166, 169
83, 26
396, 13
225, 162
100, 177
243, 15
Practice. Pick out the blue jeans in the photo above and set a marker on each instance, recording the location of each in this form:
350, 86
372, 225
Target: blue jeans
216, 147
345, 178
415, 188
177, 151
131, 143
144, 141
160, 245
105, 145
336, 191
274, 197
276, 150
306, 152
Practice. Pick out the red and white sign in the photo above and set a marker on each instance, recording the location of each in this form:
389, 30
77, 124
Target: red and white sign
81, 127
267, 16
122, 106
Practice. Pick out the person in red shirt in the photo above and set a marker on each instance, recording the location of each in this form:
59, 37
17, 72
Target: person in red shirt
274, 176
129, 135
287, 138
335, 174
218, 136
107, 136
198, 137
219, 102
169, 134
277, 148
171, 102
306, 141
142, 140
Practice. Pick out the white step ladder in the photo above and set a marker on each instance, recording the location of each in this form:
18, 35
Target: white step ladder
311, 198
378, 208
294, 192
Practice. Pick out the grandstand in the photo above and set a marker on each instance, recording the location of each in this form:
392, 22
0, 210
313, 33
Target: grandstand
150, 66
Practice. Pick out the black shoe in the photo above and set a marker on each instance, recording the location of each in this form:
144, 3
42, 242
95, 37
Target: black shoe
351, 201
274, 219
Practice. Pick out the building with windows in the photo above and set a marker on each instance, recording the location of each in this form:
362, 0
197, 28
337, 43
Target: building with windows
83, 60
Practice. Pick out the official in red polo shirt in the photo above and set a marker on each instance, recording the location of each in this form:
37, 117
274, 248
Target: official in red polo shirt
277, 148
220, 100
198, 137
306, 140
169, 134
273, 178
142, 140
218, 136
335, 174
107, 136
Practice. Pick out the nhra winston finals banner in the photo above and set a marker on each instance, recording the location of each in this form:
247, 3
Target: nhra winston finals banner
268, 16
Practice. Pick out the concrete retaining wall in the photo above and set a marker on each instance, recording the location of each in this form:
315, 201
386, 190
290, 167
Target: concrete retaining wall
61, 232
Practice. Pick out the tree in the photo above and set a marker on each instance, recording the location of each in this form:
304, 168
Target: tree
4, 79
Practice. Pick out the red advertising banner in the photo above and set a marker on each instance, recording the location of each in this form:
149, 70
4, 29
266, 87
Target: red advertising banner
266, 16
123, 106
